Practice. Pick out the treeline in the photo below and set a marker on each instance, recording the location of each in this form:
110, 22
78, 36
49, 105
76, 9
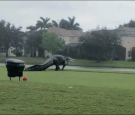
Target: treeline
38, 39
45, 23
34, 39
10, 35
99, 44
131, 24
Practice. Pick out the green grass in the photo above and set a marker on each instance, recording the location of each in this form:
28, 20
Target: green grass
67, 92
84, 63
112, 64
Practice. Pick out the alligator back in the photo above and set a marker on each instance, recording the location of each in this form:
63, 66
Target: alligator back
41, 67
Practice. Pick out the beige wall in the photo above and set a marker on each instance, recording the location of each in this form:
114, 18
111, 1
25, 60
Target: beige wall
69, 39
128, 43
10, 51
74, 39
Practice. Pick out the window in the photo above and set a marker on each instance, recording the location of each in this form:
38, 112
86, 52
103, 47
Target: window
2, 50
129, 53
71, 38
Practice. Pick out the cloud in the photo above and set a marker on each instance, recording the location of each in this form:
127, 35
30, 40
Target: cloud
88, 14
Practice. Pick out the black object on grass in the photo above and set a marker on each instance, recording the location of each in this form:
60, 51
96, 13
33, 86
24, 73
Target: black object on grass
15, 68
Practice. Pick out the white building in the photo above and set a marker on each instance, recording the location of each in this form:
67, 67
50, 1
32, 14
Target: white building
128, 40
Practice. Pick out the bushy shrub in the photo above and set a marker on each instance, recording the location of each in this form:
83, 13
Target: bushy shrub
133, 54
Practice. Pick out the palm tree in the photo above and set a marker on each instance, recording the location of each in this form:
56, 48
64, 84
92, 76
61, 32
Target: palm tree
69, 25
31, 28
73, 25
43, 24
62, 24
54, 23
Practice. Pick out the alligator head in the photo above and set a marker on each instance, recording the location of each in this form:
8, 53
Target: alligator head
70, 59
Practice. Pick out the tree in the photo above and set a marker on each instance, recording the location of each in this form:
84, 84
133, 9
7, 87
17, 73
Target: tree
98, 44
73, 25
43, 24
133, 54
6, 36
67, 24
9, 36
33, 41
2, 30
31, 28
17, 40
62, 24
55, 24
131, 24
51, 42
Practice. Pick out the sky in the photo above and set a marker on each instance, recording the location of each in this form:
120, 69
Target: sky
89, 14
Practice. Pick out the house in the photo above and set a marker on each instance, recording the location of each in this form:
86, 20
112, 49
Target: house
3, 51
11, 49
69, 36
127, 35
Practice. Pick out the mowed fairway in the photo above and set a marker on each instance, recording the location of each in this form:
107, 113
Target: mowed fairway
67, 92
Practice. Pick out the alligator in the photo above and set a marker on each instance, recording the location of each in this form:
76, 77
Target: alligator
54, 60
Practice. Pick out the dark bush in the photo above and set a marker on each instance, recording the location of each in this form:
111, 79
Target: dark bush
133, 54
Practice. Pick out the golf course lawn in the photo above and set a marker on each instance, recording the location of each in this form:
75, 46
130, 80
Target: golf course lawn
67, 92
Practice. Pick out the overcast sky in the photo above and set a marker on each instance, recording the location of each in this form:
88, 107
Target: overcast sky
89, 14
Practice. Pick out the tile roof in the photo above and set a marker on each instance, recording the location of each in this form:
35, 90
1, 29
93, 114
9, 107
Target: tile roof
126, 31
64, 32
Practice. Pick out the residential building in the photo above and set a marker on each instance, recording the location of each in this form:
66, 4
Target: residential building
12, 48
127, 35
69, 36
3, 51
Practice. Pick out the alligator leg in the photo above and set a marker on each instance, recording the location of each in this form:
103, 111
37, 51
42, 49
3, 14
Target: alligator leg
63, 66
56, 63
57, 67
